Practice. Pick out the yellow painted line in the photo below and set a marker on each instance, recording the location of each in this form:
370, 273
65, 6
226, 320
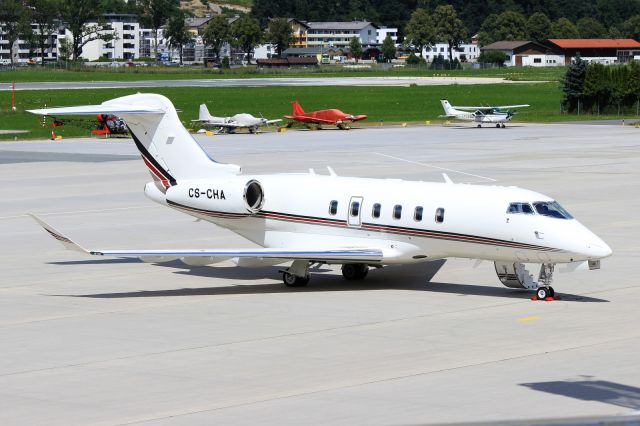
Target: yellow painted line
533, 318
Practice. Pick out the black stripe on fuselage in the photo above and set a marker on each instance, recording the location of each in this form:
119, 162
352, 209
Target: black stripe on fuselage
399, 230
147, 155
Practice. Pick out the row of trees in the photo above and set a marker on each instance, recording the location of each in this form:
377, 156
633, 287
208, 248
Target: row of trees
424, 29
511, 25
596, 88
396, 13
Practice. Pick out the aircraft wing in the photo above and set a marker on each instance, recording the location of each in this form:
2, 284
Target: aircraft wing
511, 106
306, 119
277, 120
345, 254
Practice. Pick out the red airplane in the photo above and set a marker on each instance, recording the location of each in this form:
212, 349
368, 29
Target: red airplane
324, 116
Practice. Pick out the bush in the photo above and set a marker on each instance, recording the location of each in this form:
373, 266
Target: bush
414, 59
225, 63
492, 57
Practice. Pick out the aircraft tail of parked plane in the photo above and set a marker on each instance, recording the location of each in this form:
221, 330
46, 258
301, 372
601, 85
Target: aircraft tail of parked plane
168, 150
203, 114
297, 108
449, 111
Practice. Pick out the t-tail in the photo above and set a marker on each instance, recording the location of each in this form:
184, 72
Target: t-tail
297, 108
168, 150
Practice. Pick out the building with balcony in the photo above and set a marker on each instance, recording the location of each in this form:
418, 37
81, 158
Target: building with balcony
340, 33
125, 44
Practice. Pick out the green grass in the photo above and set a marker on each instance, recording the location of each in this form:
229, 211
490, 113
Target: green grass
381, 104
36, 74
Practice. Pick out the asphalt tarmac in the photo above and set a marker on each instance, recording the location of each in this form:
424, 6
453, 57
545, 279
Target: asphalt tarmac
110, 341
257, 82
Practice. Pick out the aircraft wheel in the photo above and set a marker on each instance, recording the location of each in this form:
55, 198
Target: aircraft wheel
552, 292
503, 126
544, 292
354, 271
497, 126
479, 125
291, 280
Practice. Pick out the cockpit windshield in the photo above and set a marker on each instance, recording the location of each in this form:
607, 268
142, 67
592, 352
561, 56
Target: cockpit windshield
520, 208
551, 209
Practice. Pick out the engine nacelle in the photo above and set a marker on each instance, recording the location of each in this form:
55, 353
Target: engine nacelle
233, 195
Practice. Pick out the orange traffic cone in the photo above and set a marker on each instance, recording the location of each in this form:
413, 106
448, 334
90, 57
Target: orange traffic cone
53, 135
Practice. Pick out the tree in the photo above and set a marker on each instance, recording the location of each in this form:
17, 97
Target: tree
563, 28
496, 57
419, 30
155, 14
538, 27
217, 33
356, 48
177, 32
573, 83
631, 27
488, 29
388, 48
510, 25
595, 86
247, 34
44, 14
11, 19
84, 21
280, 33
449, 28
590, 28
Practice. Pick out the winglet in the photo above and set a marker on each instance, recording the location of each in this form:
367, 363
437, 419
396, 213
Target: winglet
68, 244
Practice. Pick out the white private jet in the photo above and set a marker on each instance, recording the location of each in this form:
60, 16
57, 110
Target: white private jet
309, 219
231, 124
481, 115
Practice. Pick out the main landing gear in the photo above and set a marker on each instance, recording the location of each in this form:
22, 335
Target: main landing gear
500, 125
297, 275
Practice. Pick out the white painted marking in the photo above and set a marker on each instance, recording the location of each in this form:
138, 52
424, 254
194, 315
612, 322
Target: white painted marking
435, 167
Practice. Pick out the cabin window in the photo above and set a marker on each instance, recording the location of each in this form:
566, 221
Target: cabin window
552, 209
417, 214
375, 211
439, 215
520, 208
333, 207
355, 208
397, 211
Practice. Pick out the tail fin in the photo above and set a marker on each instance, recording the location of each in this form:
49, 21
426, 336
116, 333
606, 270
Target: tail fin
204, 113
448, 109
297, 108
168, 150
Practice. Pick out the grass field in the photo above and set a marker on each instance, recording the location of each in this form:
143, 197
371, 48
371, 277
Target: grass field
173, 73
381, 104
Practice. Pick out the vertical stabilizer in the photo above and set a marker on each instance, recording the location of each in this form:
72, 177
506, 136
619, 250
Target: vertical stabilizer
203, 114
297, 108
448, 109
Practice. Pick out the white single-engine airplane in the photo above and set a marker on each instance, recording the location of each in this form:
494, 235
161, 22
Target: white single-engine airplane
480, 115
309, 219
231, 124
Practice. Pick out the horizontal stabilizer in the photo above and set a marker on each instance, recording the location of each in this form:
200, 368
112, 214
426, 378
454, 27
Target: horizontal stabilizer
105, 108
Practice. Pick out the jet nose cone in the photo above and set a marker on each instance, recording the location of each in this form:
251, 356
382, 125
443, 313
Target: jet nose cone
599, 249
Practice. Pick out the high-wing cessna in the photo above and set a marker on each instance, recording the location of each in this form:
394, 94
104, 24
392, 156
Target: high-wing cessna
310, 219
497, 115
231, 124
323, 116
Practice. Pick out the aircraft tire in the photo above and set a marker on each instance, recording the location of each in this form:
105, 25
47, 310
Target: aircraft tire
543, 292
291, 280
498, 126
354, 271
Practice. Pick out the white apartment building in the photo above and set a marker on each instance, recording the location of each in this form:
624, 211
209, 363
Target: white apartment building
22, 53
340, 33
125, 45
471, 51
381, 34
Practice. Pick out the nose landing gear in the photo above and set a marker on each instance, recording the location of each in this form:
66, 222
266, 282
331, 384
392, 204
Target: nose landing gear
545, 278
515, 275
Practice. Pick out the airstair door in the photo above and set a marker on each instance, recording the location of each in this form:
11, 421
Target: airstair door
355, 212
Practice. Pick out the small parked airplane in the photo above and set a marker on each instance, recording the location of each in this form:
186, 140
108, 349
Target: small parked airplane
480, 115
324, 116
231, 124
310, 219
